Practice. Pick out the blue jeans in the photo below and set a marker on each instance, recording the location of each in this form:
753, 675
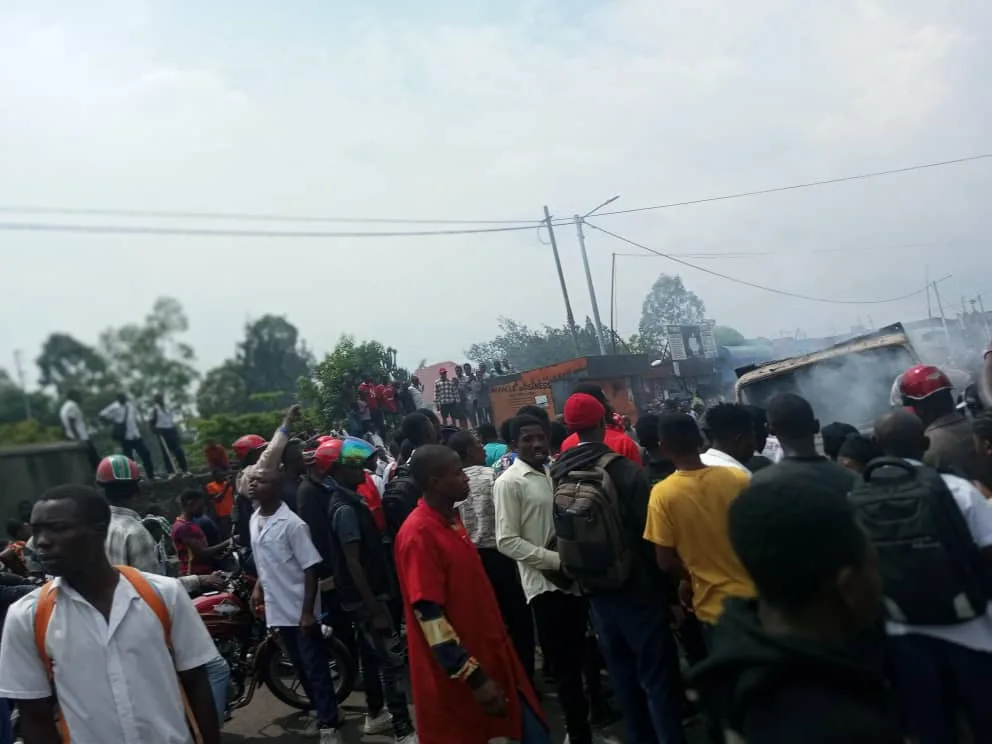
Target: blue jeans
219, 674
309, 656
534, 730
642, 659
933, 679
6, 730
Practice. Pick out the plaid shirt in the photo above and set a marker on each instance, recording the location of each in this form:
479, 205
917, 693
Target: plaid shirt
129, 543
445, 392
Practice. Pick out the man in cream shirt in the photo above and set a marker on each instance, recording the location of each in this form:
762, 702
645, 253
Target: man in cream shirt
523, 497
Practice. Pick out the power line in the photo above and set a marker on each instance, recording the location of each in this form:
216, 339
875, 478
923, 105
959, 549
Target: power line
793, 187
746, 283
48, 227
749, 254
243, 216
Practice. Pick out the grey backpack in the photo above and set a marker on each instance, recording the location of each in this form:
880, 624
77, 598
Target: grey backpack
591, 539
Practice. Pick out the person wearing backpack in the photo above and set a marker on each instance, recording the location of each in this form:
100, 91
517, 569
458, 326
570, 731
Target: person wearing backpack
933, 535
400, 496
600, 511
143, 682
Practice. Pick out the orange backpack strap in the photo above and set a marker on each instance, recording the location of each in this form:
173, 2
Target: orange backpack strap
42, 617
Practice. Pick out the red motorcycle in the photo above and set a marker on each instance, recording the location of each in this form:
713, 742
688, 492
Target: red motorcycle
256, 655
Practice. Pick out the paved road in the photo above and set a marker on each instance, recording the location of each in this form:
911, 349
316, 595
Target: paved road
267, 721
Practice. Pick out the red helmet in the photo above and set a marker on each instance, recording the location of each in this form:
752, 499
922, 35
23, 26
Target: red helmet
922, 381
327, 454
117, 469
248, 443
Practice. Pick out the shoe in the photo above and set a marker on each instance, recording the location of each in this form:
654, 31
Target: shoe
382, 723
408, 739
330, 736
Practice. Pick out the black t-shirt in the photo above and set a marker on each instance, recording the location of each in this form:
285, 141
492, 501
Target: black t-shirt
793, 470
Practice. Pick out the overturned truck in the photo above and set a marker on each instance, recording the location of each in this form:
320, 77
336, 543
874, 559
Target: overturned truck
850, 381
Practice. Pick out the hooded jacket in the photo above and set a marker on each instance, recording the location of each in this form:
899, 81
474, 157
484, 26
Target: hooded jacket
633, 489
772, 689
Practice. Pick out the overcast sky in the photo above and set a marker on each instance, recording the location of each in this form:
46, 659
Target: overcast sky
487, 109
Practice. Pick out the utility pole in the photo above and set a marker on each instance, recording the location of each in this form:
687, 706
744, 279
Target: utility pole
561, 278
943, 320
24, 390
592, 287
613, 301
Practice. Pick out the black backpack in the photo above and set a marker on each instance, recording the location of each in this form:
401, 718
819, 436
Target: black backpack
931, 568
399, 499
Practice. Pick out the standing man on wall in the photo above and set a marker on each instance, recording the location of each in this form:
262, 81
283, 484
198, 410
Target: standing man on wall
75, 425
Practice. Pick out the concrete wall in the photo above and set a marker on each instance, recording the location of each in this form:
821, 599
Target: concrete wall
29, 470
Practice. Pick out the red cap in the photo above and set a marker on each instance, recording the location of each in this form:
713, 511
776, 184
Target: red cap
582, 411
922, 381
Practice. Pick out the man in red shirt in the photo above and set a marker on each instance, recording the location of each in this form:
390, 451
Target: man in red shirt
616, 439
196, 557
469, 687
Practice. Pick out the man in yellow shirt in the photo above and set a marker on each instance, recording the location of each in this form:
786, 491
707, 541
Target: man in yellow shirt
687, 523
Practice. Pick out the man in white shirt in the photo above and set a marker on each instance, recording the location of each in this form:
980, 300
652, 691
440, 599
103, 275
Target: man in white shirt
124, 418
287, 563
164, 425
115, 676
730, 432
75, 425
939, 670
523, 498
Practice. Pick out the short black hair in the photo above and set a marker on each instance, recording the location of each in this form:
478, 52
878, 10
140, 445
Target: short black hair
487, 431
519, 422
591, 388
432, 417
535, 411
91, 506
679, 433
426, 461
726, 421
117, 491
793, 537
294, 447
190, 495
558, 435
790, 416
414, 426
900, 433
14, 527
833, 437
504, 429
461, 442
648, 430
859, 448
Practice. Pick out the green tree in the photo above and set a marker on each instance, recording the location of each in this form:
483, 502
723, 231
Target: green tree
65, 364
149, 358
272, 358
222, 391
526, 348
13, 406
727, 336
668, 303
332, 387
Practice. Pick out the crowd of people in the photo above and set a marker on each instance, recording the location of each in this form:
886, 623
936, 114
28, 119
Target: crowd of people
780, 581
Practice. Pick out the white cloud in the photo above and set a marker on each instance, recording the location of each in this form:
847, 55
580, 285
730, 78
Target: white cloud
164, 108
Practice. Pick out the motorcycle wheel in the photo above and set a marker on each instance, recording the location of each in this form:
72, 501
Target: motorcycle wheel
285, 684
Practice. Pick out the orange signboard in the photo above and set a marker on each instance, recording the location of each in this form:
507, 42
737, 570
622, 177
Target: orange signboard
507, 399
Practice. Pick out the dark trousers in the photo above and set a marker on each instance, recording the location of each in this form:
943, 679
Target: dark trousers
517, 617
379, 670
933, 680
169, 438
307, 652
643, 663
91, 454
132, 447
561, 626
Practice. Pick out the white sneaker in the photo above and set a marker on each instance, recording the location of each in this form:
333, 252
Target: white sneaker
330, 736
408, 739
379, 724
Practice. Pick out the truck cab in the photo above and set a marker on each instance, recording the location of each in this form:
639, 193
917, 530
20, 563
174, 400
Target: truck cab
850, 381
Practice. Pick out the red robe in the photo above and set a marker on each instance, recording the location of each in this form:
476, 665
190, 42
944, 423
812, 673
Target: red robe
437, 562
